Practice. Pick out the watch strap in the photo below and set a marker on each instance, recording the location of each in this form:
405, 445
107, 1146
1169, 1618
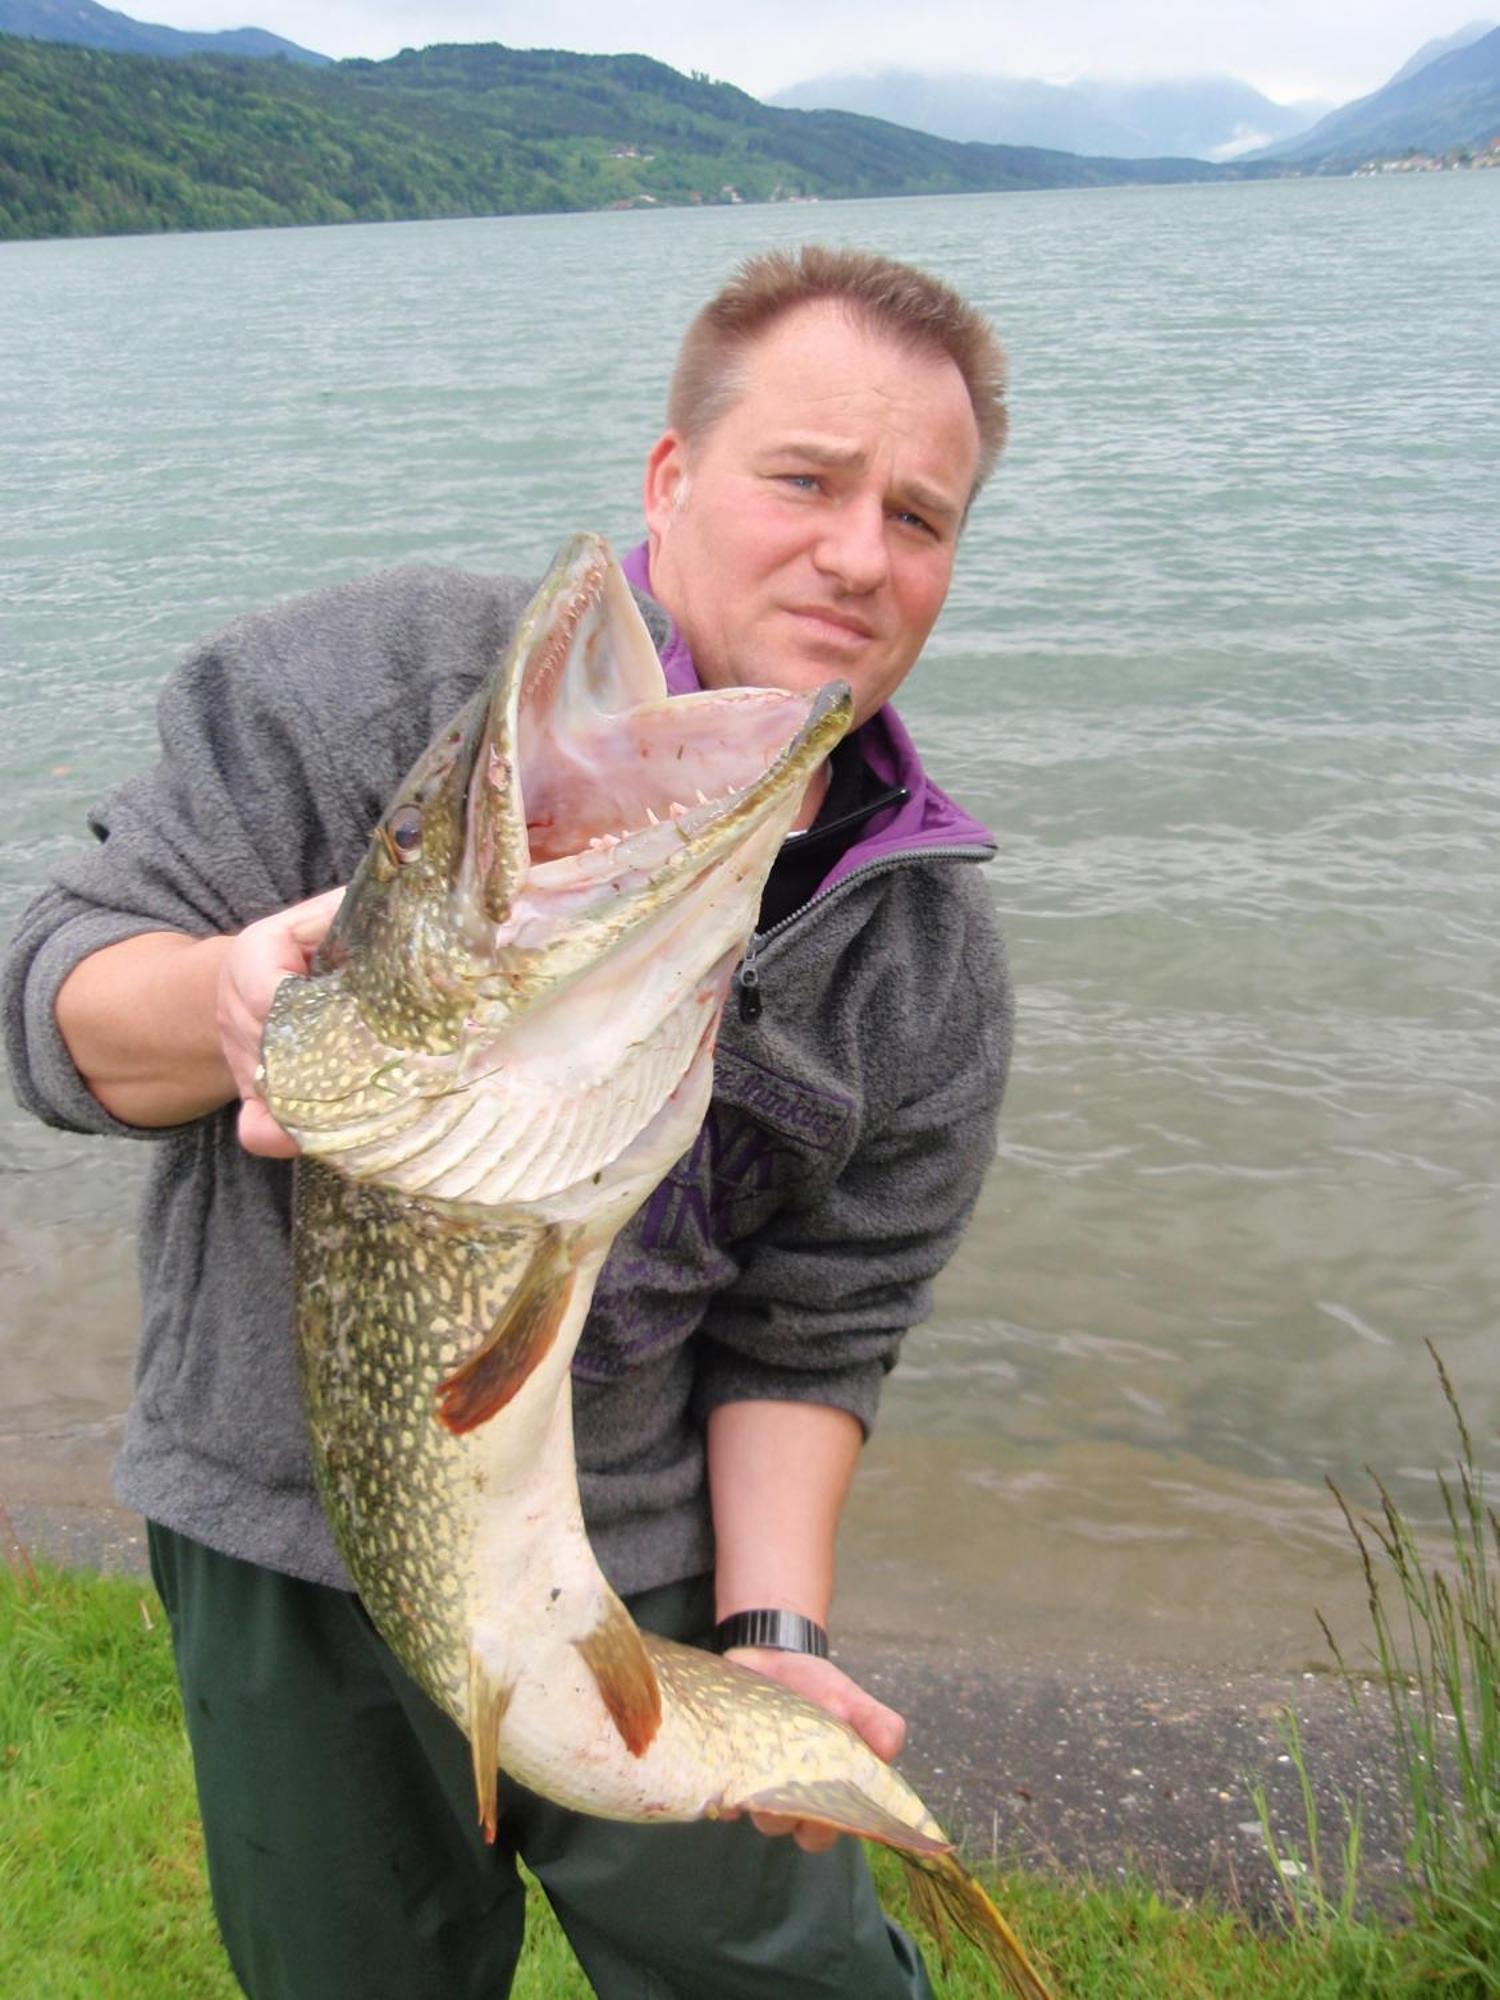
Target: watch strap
782, 1631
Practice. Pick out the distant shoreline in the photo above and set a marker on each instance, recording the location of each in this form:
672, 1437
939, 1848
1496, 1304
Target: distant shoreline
622, 209
554, 216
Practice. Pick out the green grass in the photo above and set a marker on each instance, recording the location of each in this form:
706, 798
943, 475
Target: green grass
1318, 1905
101, 1875
1435, 1667
1126, 1941
101, 1870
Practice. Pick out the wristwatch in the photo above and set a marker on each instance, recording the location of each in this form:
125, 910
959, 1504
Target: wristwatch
781, 1631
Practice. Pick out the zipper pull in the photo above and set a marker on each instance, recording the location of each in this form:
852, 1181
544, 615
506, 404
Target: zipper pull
748, 981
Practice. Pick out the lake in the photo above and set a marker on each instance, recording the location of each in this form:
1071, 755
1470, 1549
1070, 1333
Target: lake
1220, 667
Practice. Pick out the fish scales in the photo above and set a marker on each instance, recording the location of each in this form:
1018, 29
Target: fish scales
506, 1042
390, 1298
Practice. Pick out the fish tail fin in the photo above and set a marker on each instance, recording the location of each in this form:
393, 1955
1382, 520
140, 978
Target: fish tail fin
946, 1897
615, 1654
488, 1700
944, 1894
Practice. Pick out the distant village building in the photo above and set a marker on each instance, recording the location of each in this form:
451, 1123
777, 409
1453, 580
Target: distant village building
1458, 159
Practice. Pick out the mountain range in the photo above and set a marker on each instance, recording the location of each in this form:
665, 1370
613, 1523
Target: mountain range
1451, 100
1444, 45
95, 141
85, 24
1204, 117
1443, 95
1447, 94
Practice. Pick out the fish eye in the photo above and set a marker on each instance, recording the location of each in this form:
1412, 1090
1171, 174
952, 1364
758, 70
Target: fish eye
405, 830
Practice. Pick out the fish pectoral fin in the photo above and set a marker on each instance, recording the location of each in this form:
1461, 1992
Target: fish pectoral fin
839, 1802
486, 1380
615, 1654
488, 1701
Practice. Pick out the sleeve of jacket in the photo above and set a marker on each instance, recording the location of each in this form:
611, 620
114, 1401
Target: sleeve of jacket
224, 829
831, 1286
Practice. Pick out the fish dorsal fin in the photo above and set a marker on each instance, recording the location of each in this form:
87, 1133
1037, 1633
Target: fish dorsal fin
486, 1380
615, 1654
488, 1701
842, 1803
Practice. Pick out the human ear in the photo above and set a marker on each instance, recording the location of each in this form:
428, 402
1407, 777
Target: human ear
666, 482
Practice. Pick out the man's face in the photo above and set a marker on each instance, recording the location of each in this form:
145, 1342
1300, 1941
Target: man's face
809, 535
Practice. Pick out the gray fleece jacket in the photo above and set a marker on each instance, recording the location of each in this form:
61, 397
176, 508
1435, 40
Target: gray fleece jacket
783, 1257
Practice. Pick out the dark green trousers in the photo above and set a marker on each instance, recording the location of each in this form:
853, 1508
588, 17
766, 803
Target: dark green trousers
346, 1862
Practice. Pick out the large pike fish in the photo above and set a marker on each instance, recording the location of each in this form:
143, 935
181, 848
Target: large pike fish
506, 1042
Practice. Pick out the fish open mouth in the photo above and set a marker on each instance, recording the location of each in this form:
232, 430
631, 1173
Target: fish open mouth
591, 781
527, 972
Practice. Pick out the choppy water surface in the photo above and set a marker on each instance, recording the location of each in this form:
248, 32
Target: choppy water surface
1220, 668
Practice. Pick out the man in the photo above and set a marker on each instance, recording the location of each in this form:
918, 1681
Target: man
831, 417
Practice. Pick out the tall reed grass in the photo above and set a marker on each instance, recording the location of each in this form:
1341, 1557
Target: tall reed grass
1434, 1665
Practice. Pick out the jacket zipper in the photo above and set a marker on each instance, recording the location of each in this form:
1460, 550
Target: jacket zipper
747, 980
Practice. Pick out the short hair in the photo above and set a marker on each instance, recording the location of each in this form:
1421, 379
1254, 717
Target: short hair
909, 306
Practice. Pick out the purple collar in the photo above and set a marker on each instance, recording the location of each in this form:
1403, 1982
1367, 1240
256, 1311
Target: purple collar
927, 817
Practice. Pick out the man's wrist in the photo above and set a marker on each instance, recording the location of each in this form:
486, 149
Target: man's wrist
777, 1631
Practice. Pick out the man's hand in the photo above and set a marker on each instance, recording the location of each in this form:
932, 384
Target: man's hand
165, 1028
263, 954
821, 1681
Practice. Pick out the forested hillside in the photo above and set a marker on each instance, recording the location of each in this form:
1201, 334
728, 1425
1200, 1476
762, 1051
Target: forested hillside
97, 143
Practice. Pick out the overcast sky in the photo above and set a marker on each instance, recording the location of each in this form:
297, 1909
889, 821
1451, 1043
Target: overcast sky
1335, 49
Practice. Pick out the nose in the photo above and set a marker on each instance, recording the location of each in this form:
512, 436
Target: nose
852, 548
